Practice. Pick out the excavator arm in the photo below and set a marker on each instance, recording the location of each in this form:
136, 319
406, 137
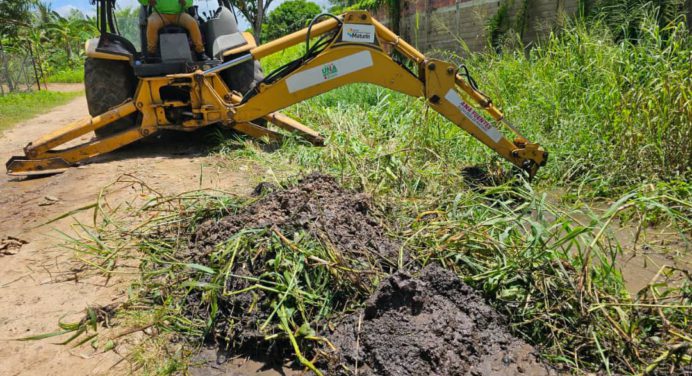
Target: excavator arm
350, 48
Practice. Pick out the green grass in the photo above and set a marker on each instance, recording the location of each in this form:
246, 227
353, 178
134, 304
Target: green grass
67, 76
15, 108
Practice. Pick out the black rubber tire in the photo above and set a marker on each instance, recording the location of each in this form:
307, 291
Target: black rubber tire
109, 83
243, 77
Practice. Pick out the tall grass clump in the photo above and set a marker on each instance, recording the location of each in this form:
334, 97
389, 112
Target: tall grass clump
613, 112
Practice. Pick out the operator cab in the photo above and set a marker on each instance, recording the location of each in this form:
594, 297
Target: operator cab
175, 52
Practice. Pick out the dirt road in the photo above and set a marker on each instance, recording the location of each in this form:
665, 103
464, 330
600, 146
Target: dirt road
38, 283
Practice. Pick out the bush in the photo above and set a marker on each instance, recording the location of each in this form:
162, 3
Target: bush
288, 17
67, 76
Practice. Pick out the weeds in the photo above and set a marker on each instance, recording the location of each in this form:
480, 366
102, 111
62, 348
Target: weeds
17, 107
67, 76
615, 113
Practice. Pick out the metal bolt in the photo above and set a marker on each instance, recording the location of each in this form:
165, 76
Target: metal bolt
431, 66
435, 99
450, 70
363, 16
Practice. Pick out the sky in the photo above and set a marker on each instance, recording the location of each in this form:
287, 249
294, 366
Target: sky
64, 6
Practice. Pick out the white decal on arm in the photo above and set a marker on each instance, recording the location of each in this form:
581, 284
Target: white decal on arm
358, 33
471, 114
328, 71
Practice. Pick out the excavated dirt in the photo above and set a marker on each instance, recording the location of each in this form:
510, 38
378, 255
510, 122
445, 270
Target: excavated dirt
316, 204
431, 325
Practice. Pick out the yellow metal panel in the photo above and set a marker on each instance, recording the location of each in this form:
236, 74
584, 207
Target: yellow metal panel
244, 48
90, 49
381, 71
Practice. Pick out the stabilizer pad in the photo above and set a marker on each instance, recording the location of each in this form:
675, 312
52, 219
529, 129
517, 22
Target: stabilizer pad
22, 166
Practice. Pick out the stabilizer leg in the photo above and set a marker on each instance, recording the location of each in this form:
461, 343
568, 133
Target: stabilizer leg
286, 123
42, 159
256, 131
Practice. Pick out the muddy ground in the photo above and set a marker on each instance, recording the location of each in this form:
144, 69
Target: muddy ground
40, 281
432, 324
317, 205
427, 325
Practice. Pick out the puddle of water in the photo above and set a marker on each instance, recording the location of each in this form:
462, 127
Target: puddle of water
644, 251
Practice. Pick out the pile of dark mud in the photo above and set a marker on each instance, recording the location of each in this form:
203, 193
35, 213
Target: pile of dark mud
430, 325
318, 204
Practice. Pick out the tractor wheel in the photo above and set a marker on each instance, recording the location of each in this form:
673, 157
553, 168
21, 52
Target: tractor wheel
109, 83
243, 77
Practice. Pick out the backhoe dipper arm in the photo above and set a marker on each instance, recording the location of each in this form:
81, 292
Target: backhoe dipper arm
357, 48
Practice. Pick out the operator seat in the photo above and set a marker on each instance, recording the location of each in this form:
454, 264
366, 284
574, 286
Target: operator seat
144, 14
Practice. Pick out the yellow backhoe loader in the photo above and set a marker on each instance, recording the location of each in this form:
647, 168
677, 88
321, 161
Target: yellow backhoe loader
132, 96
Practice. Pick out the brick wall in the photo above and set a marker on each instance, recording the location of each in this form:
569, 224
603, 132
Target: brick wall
444, 24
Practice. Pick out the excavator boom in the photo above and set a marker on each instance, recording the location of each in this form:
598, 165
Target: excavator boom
350, 48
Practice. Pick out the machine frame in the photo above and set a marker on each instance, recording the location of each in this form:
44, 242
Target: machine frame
358, 49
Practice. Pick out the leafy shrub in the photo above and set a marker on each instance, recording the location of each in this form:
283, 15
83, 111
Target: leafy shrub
288, 17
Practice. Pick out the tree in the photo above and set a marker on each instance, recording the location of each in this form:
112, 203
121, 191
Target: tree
290, 16
393, 9
254, 11
13, 13
70, 31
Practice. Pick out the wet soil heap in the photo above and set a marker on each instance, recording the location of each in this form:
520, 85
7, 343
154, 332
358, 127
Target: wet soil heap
431, 325
317, 204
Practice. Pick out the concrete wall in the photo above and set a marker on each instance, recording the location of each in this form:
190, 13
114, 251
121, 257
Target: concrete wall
443, 24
